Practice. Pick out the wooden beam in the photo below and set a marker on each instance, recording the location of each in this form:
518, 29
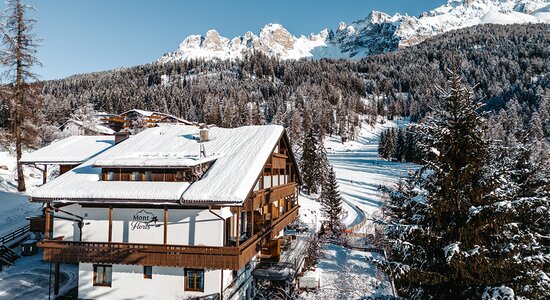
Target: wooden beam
263, 179
56, 280
165, 225
252, 221
290, 173
284, 174
45, 174
110, 224
238, 227
47, 227
271, 167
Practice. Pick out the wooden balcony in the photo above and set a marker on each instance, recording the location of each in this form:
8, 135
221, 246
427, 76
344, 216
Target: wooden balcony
232, 258
275, 193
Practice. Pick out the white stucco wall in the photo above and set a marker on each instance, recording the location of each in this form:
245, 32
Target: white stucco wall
96, 224
66, 228
128, 283
127, 229
185, 226
195, 227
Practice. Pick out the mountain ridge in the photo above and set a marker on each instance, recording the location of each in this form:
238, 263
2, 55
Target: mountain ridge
377, 33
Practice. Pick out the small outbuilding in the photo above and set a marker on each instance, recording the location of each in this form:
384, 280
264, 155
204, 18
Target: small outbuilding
68, 152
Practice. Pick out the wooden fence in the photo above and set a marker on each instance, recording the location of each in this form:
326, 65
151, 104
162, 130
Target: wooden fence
14, 234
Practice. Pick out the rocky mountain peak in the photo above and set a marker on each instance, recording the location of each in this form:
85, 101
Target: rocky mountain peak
276, 35
378, 32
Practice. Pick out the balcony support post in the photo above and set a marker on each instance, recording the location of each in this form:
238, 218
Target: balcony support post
47, 227
165, 225
110, 239
238, 227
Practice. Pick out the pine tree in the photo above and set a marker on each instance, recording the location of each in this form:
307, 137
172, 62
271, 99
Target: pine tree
399, 150
23, 94
381, 144
331, 203
462, 230
310, 166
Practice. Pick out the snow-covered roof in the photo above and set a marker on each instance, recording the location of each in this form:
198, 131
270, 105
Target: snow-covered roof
97, 128
70, 151
240, 154
147, 113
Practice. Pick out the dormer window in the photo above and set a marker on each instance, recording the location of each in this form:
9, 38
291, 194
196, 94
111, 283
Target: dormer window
147, 174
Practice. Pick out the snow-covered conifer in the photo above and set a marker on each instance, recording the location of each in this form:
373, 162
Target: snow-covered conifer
331, 204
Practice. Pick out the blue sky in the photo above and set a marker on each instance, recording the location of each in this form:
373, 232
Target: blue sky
94, 35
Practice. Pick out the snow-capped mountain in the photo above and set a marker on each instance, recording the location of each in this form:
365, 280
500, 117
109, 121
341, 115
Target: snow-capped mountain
377, 33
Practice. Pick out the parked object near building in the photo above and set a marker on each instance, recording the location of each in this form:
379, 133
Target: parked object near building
310, 280
28, 247
168, 215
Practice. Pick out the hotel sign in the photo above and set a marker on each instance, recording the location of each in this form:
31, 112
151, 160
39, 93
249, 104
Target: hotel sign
143, 220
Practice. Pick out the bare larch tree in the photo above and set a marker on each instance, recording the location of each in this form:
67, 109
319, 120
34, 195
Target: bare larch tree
21, 93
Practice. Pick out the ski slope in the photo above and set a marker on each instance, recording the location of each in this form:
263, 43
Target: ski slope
360, 171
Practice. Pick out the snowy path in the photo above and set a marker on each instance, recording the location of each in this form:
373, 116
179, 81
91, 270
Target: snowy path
360, 171
30, 276
361, 277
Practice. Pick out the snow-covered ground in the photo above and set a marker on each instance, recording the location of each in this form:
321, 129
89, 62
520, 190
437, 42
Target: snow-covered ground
360, 173
30, 276
346, 274
360, 170
15, 206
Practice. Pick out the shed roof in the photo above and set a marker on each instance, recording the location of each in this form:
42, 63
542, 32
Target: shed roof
70, 151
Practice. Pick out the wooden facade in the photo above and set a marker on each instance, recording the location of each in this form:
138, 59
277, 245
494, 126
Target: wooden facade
157, 174
65, 168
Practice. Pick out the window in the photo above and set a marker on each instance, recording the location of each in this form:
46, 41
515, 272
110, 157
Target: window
148, 176
147, 272
194, 280
134, 176
103, 275
179, 175
110, 176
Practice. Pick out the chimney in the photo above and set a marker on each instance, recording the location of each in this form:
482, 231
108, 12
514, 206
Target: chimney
121, 136
204, 135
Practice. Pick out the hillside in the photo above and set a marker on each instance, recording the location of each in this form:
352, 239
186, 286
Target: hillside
506, 62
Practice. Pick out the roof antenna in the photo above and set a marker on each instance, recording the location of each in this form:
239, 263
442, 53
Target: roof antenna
202, 151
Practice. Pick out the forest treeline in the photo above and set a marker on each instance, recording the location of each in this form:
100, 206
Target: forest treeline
507, 64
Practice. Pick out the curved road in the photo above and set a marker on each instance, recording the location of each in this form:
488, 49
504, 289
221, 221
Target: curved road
360, 172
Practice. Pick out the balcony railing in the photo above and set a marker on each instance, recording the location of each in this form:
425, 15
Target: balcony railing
269, 195
232, 258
